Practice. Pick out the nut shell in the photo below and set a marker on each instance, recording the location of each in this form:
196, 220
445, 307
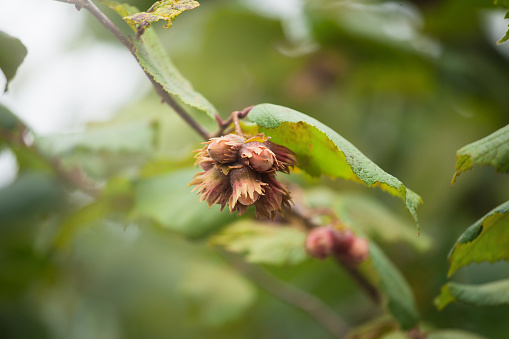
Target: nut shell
225, 149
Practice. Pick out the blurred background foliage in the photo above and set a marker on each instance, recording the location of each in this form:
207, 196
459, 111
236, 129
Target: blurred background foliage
407, 82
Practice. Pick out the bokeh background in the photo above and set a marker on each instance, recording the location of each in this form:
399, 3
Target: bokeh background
407, 82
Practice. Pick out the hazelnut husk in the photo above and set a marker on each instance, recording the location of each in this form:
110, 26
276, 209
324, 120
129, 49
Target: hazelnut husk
241, 172
257, 156
325, 241
225, 149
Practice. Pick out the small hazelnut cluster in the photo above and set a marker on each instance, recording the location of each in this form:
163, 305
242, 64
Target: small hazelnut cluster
324, 241
240, 172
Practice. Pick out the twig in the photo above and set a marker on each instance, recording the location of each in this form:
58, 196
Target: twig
103, 19
308, 303
238, 130
106, 22
223, 124
370, 290
75, 176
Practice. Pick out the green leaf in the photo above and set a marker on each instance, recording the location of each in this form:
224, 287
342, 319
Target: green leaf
265, 243
12, 54
506, 36
375, 328
492, 150
322, 151
180, 280
376, 221
155, 61
32, 193
453, 334
220, 297
501, 3
166, 10
8, 120
117, 196
135, 137
167, 200
11, 127
399, 297
486, 240
490, 294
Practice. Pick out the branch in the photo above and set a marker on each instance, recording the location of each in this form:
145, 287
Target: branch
308, 303
74, 176
361, 280
233, 118
107, 23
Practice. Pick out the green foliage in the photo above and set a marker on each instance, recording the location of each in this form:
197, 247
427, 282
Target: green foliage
12, 54
504, 4
490, 294
374, 219
115, 198
132, 257
8, 121
263, 242
486, 240
154, 60
33, 191
398, 295
492, 150
322, 151
190, 285
506, 35
165, 199
453, 334
110, 138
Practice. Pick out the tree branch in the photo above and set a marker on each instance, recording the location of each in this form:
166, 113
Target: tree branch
306, 302
74, 176
166, 97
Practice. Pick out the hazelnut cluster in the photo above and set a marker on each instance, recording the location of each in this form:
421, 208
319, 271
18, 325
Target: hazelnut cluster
240, 172
324, 241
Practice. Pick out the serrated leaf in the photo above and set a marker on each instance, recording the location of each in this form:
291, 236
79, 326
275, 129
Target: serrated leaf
490, 294
486, 240
263, 242
322, 151
155, 61
399, 297
167, 200
492, 150
166, 10
12, 54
